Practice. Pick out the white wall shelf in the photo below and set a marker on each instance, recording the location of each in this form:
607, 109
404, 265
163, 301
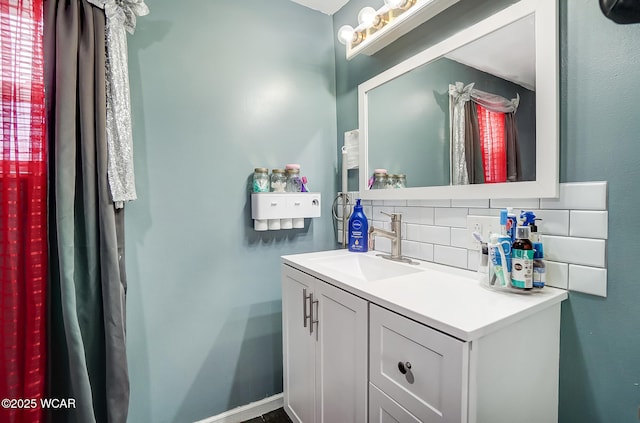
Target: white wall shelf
283, 210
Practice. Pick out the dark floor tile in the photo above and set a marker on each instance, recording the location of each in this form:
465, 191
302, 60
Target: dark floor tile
276, 416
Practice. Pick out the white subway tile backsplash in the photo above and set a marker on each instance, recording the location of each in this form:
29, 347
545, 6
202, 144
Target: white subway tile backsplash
589, 252
461, 238
484, 212
429, 203
574, 229
589, 224
419, 215
368, 211
473, 260
451, 256
380, 225
516, 203
554, 222
578, 196
470, 203
417, 250
430, 234
451, 217
377, 213
557, 274
590, 280
399, 203
410, 248
383, 245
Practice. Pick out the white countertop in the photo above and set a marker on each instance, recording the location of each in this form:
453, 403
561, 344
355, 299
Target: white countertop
445, 298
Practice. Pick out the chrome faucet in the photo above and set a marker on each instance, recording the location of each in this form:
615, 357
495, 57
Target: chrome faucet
395, 235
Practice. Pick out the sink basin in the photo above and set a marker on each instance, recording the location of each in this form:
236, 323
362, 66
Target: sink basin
365, 267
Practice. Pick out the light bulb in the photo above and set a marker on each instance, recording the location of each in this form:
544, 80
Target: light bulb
345, 34
367, 17
395, 4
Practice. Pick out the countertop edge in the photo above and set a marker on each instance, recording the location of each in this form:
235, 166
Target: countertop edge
444, 327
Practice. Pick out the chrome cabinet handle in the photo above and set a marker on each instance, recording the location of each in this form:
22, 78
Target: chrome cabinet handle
312, 320
404, 367
304, 306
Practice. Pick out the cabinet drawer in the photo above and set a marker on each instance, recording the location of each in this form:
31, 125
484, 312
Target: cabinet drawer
422, 369
383, 409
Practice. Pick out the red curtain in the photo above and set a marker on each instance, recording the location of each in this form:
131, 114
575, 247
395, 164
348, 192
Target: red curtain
23, 234
492, 145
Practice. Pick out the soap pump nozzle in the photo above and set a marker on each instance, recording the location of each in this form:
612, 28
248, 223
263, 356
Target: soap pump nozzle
527, 218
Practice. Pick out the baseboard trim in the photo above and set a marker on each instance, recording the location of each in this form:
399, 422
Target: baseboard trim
247, 412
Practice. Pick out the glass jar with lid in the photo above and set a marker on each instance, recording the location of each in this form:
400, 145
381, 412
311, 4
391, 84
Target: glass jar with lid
402, 181
278, 180
294, 182
380, 179
392, 181
261, 179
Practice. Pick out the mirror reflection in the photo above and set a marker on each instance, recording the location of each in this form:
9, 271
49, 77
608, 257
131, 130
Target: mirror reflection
467, 117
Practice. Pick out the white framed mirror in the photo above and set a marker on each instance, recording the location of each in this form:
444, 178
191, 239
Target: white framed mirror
406, 114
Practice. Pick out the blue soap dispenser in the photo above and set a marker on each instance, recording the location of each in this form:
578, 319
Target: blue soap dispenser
358, 230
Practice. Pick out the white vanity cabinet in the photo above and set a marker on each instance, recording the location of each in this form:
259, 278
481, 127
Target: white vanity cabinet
418, 374
324, 350
423, 370
432, 346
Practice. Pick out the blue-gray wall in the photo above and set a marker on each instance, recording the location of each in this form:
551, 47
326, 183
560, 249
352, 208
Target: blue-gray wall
219, 88
600, 134
600, 127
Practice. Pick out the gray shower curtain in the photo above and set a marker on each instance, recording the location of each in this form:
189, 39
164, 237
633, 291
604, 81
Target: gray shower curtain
87, 278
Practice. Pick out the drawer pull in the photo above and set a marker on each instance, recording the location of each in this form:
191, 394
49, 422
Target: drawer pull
313, 321
404, 367
304, 307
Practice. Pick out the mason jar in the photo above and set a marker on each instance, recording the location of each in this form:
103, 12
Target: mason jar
392, 181
380, 180
294, 183
402, 181
278, 180
261, 179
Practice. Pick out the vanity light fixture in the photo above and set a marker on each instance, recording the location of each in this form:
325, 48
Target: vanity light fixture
399, 4
369, 17
378, 28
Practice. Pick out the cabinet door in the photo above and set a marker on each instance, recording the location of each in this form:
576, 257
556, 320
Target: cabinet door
422, 369
298, 347
341, 356
383, 409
